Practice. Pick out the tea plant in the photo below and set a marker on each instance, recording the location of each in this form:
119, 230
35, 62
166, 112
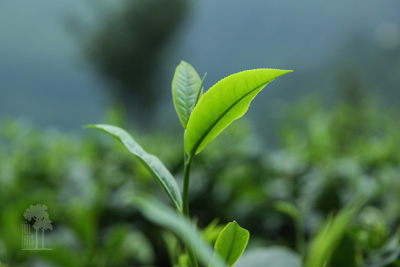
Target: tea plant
203, 117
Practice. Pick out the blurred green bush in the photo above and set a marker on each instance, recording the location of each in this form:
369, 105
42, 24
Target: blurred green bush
324, 159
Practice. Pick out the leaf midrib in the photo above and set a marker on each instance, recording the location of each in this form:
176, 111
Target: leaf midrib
231, 246
221, 116
187, 96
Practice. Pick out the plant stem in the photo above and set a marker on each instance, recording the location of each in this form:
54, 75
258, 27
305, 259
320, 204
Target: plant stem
186, 181
185, 199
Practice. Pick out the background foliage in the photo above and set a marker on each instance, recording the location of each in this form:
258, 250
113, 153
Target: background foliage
324, 158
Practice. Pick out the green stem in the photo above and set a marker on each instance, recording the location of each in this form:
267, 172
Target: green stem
185, 198
186, 181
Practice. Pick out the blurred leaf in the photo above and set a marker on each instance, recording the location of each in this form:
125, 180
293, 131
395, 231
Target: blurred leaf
231, 243
183, 261
83, 222
294, 213
288, 209
269, 257
129, 244
187, 89
386, 255
173, 247
152, 163
61, 256
162, 215
212, 230
223, 103
372, 231
326, 241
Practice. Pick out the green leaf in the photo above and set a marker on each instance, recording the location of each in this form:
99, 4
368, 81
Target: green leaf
187, 88
223, 103
162, 215
152, 163
231, 243
327, 240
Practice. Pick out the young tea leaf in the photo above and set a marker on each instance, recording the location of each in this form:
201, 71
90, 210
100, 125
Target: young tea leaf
187, 88
223, 103
152, 163
231, 243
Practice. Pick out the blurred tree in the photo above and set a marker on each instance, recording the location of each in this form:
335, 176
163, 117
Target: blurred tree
366, 69
126, 47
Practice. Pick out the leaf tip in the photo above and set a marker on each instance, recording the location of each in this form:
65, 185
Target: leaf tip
183, 62
285, 71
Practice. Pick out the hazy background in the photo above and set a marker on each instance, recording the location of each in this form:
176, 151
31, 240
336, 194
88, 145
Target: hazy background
59, 66
314, 139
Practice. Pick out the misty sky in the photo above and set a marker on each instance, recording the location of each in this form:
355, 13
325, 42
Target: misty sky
44, 77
